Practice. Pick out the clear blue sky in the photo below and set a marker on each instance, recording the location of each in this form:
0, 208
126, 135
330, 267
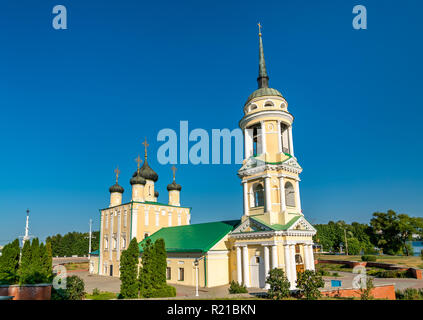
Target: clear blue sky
76, 103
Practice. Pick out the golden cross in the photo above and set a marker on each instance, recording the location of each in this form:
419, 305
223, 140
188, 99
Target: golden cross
139, 161
117, 171
174, 171
145, 143
260, 26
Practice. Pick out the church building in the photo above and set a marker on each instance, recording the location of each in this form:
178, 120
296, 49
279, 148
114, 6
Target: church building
271, 233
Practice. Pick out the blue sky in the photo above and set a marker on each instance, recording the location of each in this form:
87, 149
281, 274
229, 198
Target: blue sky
75, 103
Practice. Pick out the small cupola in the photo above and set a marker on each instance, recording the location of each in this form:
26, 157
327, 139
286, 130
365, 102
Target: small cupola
116, 191
174, 191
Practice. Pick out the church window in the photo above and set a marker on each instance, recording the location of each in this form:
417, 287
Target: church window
253, 107
168, 273
106, 243
258, 196
125, 218
269, 104
289, 194
181, 275
114, 242
107, 220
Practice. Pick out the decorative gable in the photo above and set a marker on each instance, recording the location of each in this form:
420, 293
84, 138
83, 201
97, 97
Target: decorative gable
301, 224
251, 225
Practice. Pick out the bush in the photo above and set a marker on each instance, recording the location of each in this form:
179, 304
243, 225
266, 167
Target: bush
366, 292
308, 283
75, 288
279, 284
409, 294
370, 258
164, 292
96, 292
235, 287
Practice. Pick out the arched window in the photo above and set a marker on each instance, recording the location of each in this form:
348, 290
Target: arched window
269, 104
289, 194
298, 259
258, 196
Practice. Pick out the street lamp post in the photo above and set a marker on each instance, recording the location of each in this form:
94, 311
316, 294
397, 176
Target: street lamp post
196, 263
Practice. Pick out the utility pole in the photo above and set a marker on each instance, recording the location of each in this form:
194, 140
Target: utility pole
89, 242
346, 242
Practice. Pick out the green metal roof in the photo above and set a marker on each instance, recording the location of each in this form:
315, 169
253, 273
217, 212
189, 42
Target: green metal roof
261, 92
95, 253
276, 227
194, 237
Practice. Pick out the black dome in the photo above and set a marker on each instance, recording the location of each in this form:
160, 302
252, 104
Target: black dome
156, 194
148, 173
116, 188
174, 186
137, 178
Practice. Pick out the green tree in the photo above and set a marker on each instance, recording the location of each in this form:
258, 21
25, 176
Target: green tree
160, 264
129, 270
354, 246
308, 283
279, 284
9, 263
24, 270
47, 262
147, 270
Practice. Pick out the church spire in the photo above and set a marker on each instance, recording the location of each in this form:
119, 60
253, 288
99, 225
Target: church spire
263, 78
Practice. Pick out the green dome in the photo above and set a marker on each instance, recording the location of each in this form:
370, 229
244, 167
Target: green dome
137, 178
116, 188
174, 186
264, 92
148, 173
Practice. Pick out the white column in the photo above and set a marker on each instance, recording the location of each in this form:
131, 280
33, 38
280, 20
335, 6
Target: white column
310, 255
293, 266
246, 206
246, 272
266, 264
297, 194
134, 223
274, 256
118, 237
282, 193
291, 143
267, 191
263, 137
287, 262
239, 264
248, 143
101, 243
279, 137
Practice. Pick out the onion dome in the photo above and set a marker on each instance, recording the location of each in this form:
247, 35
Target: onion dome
116, 188
174, 186
263, 78
147, 172
137, 178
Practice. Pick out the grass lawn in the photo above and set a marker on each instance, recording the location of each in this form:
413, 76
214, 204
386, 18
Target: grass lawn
77, 266
411, 261
103, 295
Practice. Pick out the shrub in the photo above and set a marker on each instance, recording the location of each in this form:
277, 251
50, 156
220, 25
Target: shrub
366, 292
279, 284
335, 274
308, 283
235, 287
96, 292
409, 294
129, 270
370, 258
164, 292
421, 254
75, 288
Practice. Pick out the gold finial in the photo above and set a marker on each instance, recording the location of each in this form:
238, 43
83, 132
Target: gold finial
117, 171
145, 143
138, 161
174, 171
260, 26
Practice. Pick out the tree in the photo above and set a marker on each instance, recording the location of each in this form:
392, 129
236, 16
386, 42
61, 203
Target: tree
47, 262
160, 264
24, 270
9, 263
309, 282
129, 270
354, 246
147, 270
279, 284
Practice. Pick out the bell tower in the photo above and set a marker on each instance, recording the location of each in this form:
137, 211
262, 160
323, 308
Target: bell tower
270, 171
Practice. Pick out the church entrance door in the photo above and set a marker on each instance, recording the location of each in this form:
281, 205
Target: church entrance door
111, 270
257, 272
